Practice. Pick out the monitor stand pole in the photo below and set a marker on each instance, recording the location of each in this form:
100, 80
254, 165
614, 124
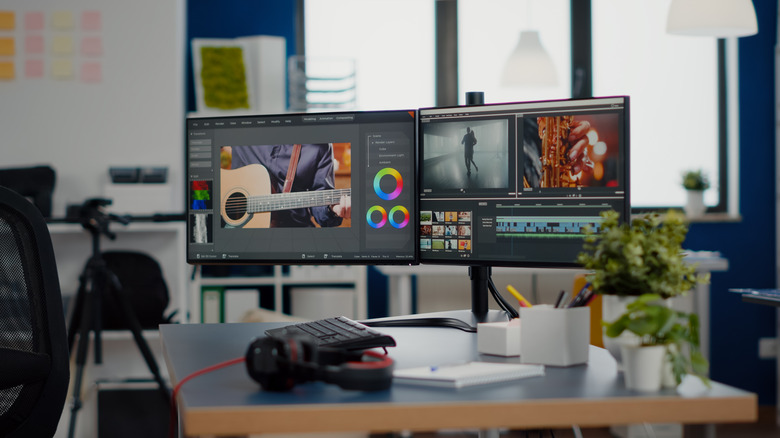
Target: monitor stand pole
480, 279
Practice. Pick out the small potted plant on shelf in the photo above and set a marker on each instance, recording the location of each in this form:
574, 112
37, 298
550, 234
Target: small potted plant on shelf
633, 258
662, 332
695, 182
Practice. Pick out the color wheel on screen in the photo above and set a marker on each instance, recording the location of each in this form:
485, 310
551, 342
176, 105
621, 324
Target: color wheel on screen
399, 184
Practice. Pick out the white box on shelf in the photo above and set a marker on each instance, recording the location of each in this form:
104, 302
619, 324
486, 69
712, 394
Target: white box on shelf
499, 338
319, 303
140, 199
558, 337
238, 302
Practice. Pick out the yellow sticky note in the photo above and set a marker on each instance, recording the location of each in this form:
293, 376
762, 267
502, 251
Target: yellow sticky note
7, 71
7, 47
62, 69
62, 20
62, 45
7, 20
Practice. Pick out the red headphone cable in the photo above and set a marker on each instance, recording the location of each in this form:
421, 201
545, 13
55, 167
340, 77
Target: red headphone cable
174, 418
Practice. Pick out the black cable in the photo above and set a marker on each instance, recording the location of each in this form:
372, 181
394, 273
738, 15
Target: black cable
502, 301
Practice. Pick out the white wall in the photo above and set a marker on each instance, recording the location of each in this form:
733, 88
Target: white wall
131, 113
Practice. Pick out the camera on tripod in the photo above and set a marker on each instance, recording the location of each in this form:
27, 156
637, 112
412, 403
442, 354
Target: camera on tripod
99, 285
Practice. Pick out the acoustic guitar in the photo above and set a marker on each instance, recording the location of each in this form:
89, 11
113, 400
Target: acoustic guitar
247, 198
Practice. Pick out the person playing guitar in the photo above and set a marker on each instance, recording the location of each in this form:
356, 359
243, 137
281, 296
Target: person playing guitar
284, 185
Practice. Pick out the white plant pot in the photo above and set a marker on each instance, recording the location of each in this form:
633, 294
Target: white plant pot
611, 308
695, 207
642, 366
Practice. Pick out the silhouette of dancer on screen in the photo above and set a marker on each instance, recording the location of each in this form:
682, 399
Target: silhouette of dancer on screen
469, 140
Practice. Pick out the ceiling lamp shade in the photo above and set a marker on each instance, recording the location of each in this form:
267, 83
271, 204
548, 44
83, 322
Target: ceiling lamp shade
529, 65
718, 18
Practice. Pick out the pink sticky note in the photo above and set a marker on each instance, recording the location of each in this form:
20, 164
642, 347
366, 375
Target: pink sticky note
91, 46
33, 44
91, 72
33, 21
33, 68
90, 20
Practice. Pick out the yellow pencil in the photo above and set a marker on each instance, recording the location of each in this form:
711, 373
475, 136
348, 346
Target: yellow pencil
520, 298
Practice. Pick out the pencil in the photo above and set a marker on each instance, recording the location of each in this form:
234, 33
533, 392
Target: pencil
521, 299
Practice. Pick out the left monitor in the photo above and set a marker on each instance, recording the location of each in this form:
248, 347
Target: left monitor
314, 188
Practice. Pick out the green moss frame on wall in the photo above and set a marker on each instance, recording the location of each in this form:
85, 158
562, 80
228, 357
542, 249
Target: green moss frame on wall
223, 75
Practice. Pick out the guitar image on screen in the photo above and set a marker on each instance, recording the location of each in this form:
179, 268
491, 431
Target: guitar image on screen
247, 199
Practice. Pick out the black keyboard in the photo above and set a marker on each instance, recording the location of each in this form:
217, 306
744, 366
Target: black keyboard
339, 331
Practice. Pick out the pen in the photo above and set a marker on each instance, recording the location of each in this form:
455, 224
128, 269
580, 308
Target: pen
521, 299
563, 300
582, 296
560, 298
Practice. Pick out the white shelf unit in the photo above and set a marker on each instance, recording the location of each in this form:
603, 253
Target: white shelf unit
299, 277
164, 241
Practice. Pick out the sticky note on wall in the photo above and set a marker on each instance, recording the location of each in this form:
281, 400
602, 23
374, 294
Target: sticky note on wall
62, 69
62, 20
33, 68
90, 20
7, 47
33, 21
7, 20
7, 71
33, 44
62, 45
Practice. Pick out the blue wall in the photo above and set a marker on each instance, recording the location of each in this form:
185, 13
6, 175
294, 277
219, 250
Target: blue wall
750, 244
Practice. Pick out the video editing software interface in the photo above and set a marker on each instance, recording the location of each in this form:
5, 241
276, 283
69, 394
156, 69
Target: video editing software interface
516, 184
324, 188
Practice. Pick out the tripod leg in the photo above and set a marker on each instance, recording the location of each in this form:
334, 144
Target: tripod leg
135, 327
75, 317
81, 359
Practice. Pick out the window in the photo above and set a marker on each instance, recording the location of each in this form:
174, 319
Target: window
392, 42
678, 120
488, 32
674, 90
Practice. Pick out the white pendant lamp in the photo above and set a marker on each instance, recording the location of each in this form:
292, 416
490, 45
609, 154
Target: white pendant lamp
529, 65
718, 18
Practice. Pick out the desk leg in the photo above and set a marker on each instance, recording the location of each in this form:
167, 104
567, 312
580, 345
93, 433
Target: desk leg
400, 295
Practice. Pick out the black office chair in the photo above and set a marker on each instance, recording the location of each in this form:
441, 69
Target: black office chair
33, 344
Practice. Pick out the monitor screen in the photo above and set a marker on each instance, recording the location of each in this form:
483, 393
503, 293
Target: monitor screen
516, 184
317, 188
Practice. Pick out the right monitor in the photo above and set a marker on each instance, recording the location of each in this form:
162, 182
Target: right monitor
516, 184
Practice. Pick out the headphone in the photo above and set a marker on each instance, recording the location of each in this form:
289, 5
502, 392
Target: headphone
278, 364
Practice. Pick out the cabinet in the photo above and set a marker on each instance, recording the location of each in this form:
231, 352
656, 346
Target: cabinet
217, 296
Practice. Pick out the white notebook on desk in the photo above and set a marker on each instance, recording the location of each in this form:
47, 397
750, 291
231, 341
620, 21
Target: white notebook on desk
467, 374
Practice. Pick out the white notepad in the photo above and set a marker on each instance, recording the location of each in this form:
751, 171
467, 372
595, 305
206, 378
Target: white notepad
467, 374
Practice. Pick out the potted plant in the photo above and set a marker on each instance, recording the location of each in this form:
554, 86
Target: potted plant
633, 258
662, 332
695, 182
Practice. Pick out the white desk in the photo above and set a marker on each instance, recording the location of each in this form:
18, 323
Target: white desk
400, 290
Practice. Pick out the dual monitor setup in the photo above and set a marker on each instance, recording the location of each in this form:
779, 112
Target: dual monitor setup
511, 184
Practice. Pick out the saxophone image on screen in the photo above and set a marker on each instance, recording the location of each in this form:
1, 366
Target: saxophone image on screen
556, 168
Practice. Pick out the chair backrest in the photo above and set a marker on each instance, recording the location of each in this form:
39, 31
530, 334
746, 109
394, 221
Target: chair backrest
33, 343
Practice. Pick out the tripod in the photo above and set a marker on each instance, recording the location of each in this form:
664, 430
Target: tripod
87, 314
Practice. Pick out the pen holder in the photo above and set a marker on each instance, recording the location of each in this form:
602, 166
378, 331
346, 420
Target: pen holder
557, 337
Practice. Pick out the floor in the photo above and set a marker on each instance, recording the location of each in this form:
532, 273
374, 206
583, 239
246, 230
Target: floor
765, 427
